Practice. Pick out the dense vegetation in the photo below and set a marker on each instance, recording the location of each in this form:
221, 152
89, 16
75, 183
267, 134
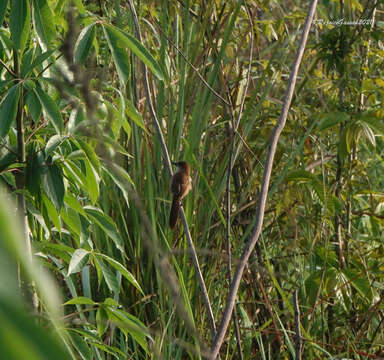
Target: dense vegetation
96, 94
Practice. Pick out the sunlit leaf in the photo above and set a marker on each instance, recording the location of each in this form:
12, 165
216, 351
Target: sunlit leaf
84, 43
80, 300
79, 259
44, 21
53, 143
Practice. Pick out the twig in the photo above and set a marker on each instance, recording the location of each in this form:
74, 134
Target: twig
195, 69
168, 162
264, 188
7, 68
270, 310
298, 339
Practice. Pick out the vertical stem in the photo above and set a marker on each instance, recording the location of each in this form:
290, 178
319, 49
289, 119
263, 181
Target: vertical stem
20, 177
228, 245
298, 339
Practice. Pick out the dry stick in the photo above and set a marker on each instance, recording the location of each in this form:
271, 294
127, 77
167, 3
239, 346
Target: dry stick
298, 339
168, 162
264, 189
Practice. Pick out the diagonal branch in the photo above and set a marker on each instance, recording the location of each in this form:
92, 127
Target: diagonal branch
264, 188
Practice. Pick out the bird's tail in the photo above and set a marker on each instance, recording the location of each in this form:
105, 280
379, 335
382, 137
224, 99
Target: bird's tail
174, 212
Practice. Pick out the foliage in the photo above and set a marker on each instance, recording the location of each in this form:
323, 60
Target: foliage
80, 156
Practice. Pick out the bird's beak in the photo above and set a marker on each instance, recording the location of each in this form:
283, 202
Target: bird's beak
174, 162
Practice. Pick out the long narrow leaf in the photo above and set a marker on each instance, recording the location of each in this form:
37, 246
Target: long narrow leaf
8, 110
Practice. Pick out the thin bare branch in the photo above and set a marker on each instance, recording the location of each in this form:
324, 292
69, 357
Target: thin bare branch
264, 188
298, 339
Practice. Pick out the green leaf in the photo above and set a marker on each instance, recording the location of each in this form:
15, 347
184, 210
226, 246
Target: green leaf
51, 109
72, 220
107, 224
111, 302
53, 143
3, 9
134, 115
331, 119
74, 204
43, 21
52, 212
120, 177
33, 172
101, 321
80, 345
84, 43
80, 300
76, 117
79, 259
53, 184
22, 337
129, 324
92, 181
360, 282
8, 110
300, 176
20, 23
109, 276
118, 47
123, 271
90, 152
39, 60
374, 122
36, 214
369, 134
34, 105
26, 61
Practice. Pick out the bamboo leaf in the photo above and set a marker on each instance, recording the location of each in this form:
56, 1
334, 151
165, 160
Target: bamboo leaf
106, 223
331, 119
53, 184
84, 43
20, 23
51, 109
8, 110
3, 9
124, 272
119, 42
53, 143
79, 259
52, 212
80, 300
109, 276
43, 21
34, 105
92, 181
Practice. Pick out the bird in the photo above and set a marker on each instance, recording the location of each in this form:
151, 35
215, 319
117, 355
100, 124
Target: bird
181, 184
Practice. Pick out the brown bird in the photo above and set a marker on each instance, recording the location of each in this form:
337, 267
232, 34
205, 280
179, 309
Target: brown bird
181, 184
